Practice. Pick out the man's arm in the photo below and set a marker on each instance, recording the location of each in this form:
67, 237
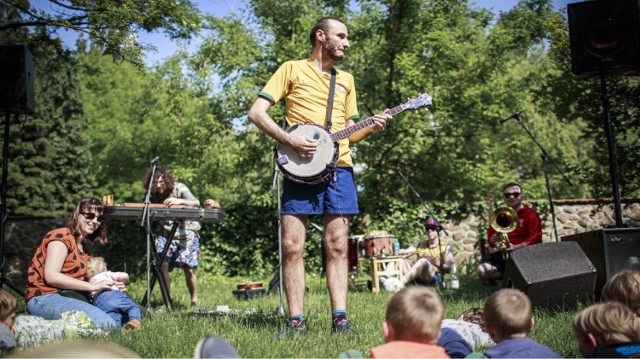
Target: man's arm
258, 116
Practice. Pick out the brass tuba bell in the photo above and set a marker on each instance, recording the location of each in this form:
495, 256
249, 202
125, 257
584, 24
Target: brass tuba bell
504, 221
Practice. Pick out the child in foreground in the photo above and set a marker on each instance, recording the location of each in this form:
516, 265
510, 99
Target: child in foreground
509, 321
114, 302
412, 325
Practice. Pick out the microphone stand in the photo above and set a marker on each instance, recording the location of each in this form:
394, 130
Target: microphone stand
146, 223
432, 216
546, 158
276, 185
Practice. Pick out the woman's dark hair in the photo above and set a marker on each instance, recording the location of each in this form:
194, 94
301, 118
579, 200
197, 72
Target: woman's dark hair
169, 184
88, 205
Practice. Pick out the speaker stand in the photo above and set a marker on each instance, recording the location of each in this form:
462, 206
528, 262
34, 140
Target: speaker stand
612, 150
3, 203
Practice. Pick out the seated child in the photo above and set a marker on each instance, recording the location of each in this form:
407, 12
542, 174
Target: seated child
607, 330
509, 320
412, 325
114, 302
8, 309
624, 287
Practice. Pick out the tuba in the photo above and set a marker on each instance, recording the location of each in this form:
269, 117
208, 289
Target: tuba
504, 221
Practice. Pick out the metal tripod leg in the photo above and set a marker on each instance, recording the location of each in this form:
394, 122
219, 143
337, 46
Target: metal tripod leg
157, 271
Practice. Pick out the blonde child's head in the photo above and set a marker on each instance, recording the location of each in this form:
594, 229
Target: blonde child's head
508, 313
606, 322
414, 314
624, 287
95, 265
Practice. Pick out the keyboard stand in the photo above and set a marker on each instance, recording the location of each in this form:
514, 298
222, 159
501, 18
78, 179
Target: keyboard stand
158, 275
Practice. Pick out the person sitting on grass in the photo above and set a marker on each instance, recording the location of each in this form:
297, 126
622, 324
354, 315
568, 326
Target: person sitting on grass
624, 287
113, 301
607, 330
412, 325
509, 320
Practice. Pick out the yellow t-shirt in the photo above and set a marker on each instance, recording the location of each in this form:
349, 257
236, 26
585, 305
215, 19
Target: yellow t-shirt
306, 92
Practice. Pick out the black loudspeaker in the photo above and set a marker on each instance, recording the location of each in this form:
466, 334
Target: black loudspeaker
553, 275
16, 79
604, 36
610, 250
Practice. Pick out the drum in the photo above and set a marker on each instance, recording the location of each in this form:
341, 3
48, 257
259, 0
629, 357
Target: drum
378, 243
352, 256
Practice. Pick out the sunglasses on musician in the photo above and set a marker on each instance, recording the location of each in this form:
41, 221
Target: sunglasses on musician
512, 195
91, 216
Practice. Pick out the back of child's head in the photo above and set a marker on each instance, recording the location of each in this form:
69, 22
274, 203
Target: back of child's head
609, 322
473, 315
8, 305
95, 265
415, 313
508, 312
624, 287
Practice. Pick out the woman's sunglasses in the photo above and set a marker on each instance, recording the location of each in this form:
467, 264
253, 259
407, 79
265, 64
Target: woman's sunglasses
91, 216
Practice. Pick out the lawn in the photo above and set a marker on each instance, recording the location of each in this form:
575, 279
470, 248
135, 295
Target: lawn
250, 325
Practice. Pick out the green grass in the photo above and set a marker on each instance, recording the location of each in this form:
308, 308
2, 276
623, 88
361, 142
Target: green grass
174, 333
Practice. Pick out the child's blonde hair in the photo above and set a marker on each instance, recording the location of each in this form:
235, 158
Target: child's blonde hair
609, 322
95, 265
8, 305
508, 312
415, 313
624, 287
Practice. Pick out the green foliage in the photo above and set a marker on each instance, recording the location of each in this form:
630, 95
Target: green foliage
110, 24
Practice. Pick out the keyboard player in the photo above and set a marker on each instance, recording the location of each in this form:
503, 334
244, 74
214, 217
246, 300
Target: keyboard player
184, 251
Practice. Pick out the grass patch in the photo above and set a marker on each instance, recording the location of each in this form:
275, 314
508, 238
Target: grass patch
251, 326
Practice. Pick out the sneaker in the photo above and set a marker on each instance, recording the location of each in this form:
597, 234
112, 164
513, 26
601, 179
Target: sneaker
437, 280
132, 324
298, 327
341, 326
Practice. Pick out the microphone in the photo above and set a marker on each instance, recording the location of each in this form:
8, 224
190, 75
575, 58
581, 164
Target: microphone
155, 159
505, 119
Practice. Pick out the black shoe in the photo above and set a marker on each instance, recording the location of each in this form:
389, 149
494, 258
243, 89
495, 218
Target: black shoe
293, 326
341, 326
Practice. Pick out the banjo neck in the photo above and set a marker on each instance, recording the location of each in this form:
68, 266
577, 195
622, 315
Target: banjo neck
364, 124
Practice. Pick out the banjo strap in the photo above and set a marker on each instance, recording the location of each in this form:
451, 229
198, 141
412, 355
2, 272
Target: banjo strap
332, 90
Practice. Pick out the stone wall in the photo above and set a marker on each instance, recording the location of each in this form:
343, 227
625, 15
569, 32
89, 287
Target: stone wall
572, 216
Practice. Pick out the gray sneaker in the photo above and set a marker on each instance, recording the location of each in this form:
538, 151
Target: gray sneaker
341, 326
293, 326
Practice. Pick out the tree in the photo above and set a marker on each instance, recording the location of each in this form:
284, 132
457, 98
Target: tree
110, 24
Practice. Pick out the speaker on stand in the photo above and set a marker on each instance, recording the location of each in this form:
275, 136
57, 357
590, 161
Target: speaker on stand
604, 37
16, 96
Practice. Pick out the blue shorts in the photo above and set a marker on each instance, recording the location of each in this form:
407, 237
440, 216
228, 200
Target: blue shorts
329, 197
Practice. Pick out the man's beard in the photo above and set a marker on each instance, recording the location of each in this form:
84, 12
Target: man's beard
333, 54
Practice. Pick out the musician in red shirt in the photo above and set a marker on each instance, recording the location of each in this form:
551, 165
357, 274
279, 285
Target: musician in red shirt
528, 231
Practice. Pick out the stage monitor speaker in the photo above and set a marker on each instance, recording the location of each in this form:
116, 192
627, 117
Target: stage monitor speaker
610, 249
554, 275
16, 79
604, 36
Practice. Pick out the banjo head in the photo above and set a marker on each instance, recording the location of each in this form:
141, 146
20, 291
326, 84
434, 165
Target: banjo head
308, 169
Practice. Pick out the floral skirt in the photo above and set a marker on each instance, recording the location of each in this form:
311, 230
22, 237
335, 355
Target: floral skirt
182, 252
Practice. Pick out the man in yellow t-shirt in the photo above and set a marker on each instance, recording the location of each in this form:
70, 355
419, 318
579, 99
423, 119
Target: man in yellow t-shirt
304, 85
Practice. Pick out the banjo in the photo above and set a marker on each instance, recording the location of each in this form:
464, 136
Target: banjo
320, 167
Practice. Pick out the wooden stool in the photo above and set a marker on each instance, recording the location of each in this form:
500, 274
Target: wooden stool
389, 266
